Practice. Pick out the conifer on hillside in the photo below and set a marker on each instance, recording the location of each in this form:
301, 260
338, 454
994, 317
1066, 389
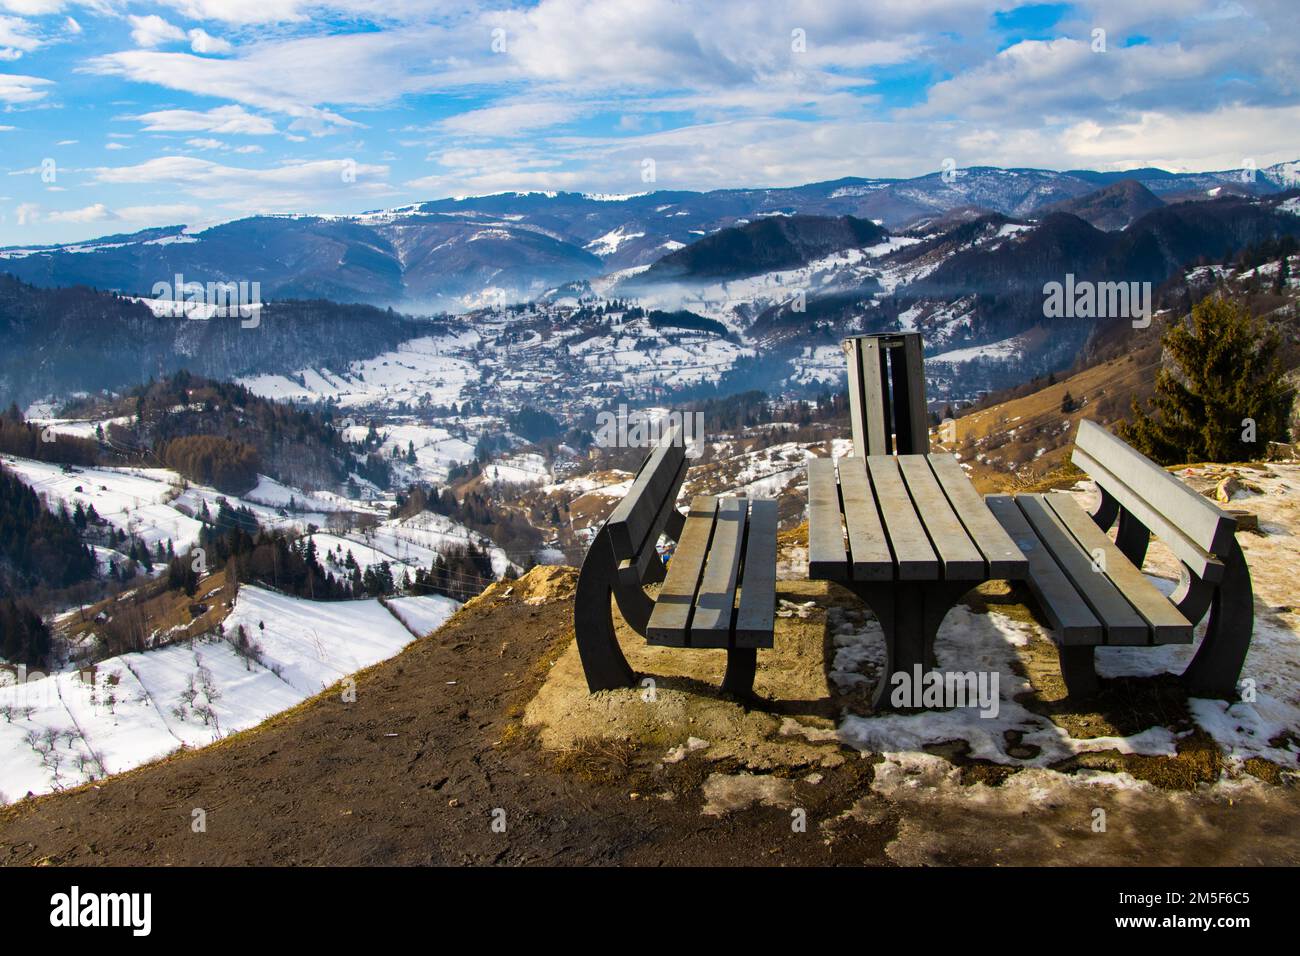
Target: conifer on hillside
1223, 397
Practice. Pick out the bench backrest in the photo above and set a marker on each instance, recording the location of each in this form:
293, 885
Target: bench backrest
1189, 525
637, 521
887, 394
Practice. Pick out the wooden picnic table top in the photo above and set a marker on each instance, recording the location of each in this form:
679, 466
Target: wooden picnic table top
905, 518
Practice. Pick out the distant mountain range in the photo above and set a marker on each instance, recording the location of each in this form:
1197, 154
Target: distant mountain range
462, 252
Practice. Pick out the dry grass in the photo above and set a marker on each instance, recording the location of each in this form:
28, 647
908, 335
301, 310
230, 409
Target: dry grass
150, 610
1101, 393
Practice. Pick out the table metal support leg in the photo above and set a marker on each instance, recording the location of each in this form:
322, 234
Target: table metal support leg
910, 615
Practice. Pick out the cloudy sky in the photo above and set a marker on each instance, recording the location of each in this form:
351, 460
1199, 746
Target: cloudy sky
117, 115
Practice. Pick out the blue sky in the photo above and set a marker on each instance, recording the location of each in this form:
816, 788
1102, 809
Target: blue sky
117, 115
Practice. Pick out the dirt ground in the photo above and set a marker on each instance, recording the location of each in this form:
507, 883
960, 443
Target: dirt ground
477, 745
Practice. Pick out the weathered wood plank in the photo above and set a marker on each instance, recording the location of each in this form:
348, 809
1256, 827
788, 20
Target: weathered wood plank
868, 548
1167, 625
875, 398
1073, 623
1208, 527
756, 610
715, 603
1123, 624
857, 401
826, 557
1004, 558
914, 357
958, 556
671, 619
914, 558
630, 522
907, 372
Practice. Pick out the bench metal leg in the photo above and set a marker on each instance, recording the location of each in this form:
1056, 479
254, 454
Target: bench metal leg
1132, 538
1078, 670
1217, 665
602, 659
742, 664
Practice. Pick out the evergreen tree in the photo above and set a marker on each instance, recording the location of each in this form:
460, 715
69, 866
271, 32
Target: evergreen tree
1225, 376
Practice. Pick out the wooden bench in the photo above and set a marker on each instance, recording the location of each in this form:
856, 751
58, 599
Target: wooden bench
719, 590
887, 394
1092, 590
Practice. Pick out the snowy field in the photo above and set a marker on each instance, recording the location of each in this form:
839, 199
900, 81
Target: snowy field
69, 728
419, 370
437, 450
154, 505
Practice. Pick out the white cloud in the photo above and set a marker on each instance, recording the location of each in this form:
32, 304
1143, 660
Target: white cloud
115, 146
241, 11
290, 78
160, 215
1222, 139
207, 142
293, 186
32, 8
203, 42
16, 38
27, 213
229, 120
15, 88
512, 119
153, 30
146, 215
97, 212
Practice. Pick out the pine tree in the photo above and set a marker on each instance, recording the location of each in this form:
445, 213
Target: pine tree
1225, 376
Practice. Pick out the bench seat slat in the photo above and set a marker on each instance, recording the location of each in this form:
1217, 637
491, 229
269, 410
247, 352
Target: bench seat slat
826, 557
1004, 558
671, 618
1073, 623
715, 603
960, 558
1123, 624
1167, 625
629, 524
914, 558
756, 613
868, 546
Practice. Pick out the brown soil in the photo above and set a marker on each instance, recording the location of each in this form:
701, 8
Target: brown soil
411, 772
469, 726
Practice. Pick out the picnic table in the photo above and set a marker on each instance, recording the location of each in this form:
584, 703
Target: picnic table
909, 534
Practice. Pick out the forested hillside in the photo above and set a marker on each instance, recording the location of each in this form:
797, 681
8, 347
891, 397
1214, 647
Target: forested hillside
59, 341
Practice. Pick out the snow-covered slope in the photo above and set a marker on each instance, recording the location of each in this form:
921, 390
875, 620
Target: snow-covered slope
66, 729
